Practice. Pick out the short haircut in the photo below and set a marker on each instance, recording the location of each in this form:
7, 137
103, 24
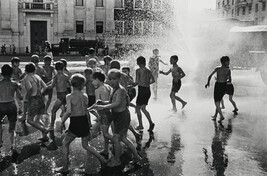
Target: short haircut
116, 72
47, 58
115, 64
141, 60
64, 61
100, 76
77, 81
59, 65
92, 61
35, 58
91, 51
155, 50
15, 59
88, 71
107, 58
30, 68
174, 57
6, 70
126, 68
224, 59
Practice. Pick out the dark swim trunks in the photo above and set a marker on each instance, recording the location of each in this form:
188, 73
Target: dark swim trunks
105, 117
143, 95
36, 105
230, 89
9, 109
121, 122
91, 100
79, 126
176, 85
62, 96
219, 91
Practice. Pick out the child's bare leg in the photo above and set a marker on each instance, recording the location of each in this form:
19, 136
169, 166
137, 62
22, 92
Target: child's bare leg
48, 102
233, 102
131, 146
92, 150
54, 111
172, 96
107, 137
222, 102
65, 150
132, 105
181, 101
1, 135
155, 89
117, 150
215, 114
151, 124
217, 104
12, 126
36, 125
139, 117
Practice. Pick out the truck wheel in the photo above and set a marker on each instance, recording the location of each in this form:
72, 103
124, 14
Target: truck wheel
85, 51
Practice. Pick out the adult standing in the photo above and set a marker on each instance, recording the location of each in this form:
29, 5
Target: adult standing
48, 50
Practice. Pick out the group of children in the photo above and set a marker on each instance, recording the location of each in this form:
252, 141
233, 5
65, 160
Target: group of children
104, 91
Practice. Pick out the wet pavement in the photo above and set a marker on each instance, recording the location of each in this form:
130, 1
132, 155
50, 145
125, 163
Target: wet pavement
186, 142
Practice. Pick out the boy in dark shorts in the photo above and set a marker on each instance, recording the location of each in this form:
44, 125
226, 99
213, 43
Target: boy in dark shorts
120, 115
40, 71
50, 70
8, 107
230, 91
223, 75
77, 103
130, 90
103, 94
177, 74
143, 79
61, 82
35, 86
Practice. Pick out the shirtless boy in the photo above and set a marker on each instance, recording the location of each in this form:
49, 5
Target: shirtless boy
8, 108
77, 103
177, 74
223, 74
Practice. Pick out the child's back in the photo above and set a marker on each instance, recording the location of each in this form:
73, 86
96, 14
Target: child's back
222, 74
7, 90
145, 77
78, 102
61, 82
50, 71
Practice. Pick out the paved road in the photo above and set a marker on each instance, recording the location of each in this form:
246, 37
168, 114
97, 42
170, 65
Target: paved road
186, 143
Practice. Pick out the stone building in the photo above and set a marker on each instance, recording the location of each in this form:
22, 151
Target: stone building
251, 11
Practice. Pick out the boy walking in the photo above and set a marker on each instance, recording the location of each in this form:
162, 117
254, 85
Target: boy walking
223, 74
8, 108
143, 79
77, 103
177, 74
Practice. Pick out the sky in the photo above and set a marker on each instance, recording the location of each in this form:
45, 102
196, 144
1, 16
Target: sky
198, 5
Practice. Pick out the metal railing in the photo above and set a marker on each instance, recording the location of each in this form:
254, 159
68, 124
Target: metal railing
37, 6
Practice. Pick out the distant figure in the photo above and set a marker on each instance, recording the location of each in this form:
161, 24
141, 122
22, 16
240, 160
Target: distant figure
223, 74
14, 49
153, 65
3, 49
177, 74
91, 55
27, 50
106, 67
40, 71
10, 49
48, 50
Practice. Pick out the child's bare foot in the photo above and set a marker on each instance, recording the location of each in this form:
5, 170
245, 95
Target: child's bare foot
221, 119
183, 105
213, 117
139, 127
174, 109
151, 127
62, 170
235, 111
222, 107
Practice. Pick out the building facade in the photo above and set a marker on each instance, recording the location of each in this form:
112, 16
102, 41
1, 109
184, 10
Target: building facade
252, 11
28, 23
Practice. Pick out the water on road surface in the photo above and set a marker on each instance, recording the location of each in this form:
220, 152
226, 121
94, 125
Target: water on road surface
186, 142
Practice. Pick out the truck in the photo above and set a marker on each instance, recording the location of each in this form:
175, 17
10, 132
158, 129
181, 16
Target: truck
66, 45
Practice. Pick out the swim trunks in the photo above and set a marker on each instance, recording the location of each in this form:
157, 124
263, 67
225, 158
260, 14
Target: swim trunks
143, 95
176, 85
121, 122
219, 91
79, 126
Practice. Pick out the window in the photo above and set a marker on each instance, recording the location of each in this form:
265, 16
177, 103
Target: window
257, 8
227, 2
147, 28
119, 27
157, 4
263, 5
233, 2
138, 26
99, 3
79, 26
237, 13
249, 9
99, 27
79, 2
40, 1
243, 10
119, 3
138, 4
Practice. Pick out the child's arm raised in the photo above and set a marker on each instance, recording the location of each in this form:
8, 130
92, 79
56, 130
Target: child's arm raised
163, 62
118, 96
165, 73
208, 83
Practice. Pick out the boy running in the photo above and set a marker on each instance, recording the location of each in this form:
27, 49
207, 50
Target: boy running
77, 103
143, 79
223, 74
177, 74
230, 92
120, 115
40, 71
8, 107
